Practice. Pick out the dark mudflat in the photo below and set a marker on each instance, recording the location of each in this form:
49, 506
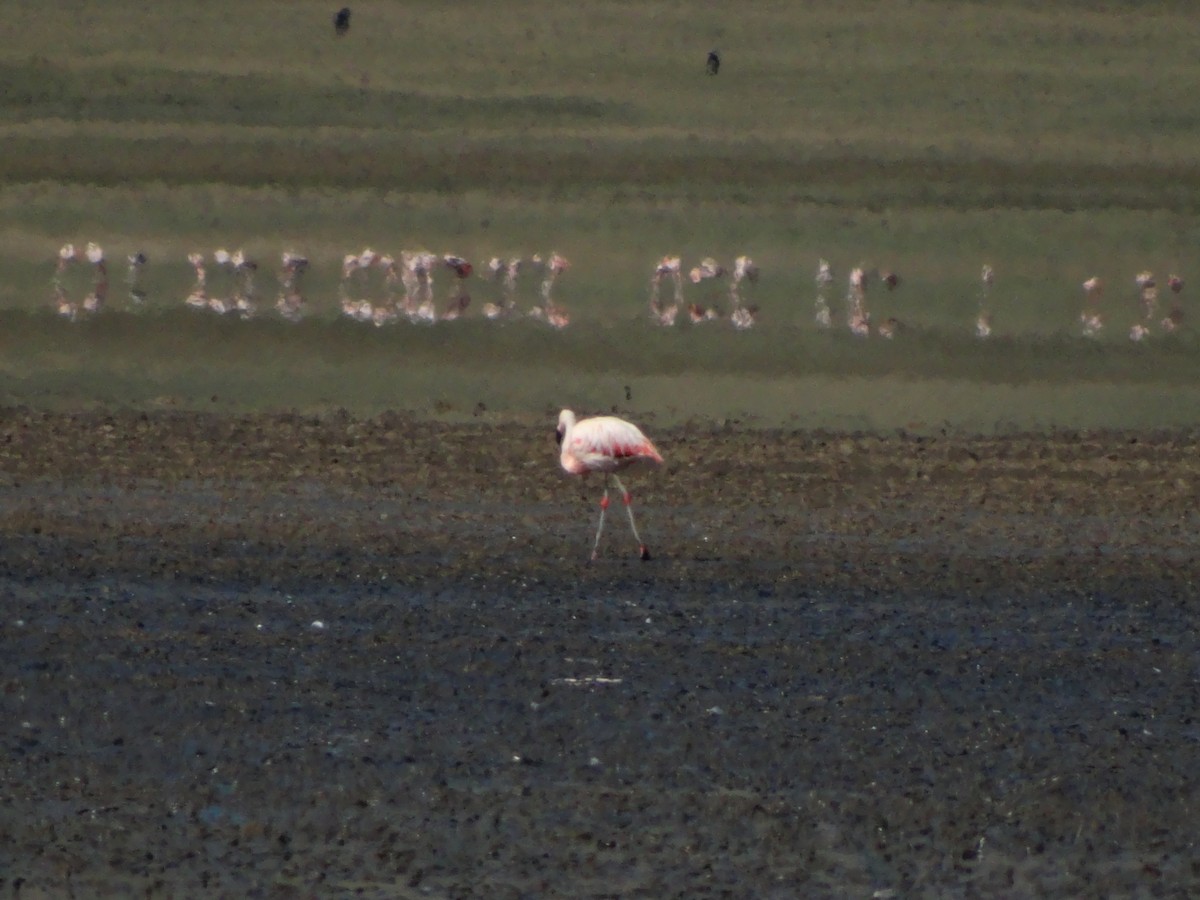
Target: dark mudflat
286, 656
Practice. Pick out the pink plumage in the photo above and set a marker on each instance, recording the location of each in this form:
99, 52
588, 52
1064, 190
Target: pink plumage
602, 444
605, 444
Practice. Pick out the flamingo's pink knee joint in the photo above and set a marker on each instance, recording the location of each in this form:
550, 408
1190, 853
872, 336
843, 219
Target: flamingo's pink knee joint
627, 497
604, 502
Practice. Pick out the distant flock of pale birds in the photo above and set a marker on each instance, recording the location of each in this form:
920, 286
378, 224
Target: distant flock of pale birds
375, 288
407, 287
670, 268
380, 289
1147, 304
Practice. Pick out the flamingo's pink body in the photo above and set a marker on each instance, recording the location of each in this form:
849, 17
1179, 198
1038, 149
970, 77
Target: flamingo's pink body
605, 444
602, 444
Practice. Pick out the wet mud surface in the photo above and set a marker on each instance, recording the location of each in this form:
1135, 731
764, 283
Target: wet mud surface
293, 656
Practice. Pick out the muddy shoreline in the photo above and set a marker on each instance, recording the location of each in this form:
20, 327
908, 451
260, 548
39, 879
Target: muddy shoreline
284, 655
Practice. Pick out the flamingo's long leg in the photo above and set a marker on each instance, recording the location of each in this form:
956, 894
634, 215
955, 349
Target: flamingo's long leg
600, 527
628, 498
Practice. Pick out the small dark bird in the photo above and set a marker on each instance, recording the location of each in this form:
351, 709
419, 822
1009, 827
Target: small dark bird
341, 22
714, 62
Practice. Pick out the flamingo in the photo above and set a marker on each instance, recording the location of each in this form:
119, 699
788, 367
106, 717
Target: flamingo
554, 268
290, 302
551, 312
512, 269
95, 300
824, 279
668, 267
198, 298
890, 280
605, 444
355, 262
243, 292
983, 323
1090, 318
506, 272
137, 262
66, 256
708, 268
1092, 322
460, 299
1148, 293
744, 269
391, 278
292, 265
857, 316
416, 272
223, 298
1175, 317
461, 267
196, 260
355, 280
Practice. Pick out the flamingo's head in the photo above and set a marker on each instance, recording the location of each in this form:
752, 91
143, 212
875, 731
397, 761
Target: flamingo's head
566, 419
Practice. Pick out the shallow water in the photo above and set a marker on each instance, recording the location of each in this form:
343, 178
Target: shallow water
775, 374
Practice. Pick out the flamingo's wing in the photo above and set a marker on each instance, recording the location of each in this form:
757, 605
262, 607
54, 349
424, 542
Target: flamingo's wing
607, 437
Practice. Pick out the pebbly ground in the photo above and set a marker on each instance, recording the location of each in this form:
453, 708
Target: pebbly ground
294, 656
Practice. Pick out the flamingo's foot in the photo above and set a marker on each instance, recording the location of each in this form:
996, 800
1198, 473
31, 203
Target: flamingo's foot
644, 552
